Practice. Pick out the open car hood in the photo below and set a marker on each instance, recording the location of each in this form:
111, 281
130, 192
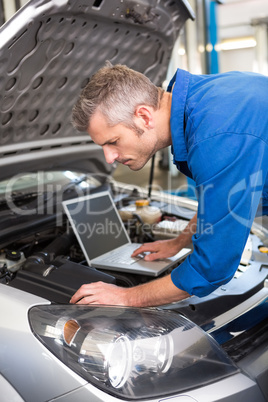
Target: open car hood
49, 50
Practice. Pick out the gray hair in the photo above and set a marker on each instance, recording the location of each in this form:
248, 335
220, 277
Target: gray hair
116, 91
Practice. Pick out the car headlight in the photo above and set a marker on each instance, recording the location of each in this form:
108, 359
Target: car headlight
130, 352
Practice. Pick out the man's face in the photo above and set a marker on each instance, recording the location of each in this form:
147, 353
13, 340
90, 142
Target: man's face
122, 144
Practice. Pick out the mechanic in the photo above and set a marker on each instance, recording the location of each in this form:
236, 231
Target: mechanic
218, 128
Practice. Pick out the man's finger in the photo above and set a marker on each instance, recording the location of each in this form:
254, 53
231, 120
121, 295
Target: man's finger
151, 256
81, 292
86, 300
147, 247
137, 251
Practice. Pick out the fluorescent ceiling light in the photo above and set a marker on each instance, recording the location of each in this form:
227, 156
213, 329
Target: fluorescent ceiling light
239, 43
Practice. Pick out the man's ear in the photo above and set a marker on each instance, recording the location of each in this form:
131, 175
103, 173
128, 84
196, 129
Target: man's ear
144, 116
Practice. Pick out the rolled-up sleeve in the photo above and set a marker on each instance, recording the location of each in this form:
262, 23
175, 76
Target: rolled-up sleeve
230, 170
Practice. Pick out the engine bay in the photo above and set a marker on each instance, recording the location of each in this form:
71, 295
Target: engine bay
51, 264
46, 259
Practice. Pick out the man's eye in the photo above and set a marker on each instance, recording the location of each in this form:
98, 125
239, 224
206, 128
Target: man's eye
113, 142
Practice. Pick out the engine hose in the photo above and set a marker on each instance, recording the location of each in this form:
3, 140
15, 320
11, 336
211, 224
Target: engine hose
59, 246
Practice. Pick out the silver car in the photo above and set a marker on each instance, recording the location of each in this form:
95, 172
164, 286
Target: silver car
198, 350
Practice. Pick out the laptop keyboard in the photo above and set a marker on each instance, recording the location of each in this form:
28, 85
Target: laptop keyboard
123, 257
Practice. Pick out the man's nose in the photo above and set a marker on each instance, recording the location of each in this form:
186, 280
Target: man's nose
110, 154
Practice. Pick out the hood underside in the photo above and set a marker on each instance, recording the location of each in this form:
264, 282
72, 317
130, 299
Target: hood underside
49, 50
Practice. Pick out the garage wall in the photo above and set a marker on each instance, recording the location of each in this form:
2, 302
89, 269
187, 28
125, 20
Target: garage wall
244, 19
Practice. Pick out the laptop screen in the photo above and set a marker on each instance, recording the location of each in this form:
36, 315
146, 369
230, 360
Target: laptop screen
96, 224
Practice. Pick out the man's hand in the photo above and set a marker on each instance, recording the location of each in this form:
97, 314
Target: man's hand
167, 248
158, 249
155, 293
99, 293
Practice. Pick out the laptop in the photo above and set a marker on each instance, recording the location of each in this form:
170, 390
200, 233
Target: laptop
104, 240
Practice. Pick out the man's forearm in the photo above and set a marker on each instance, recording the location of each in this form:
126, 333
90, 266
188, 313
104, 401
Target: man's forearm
184, 239
155, 293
